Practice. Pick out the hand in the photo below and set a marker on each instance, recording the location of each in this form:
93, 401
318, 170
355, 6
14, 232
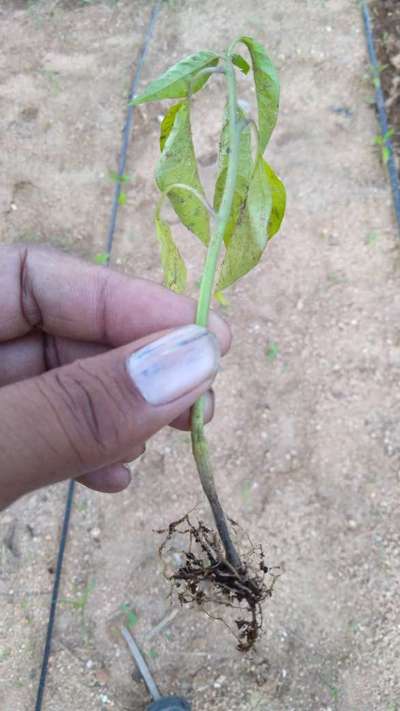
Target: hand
81, 389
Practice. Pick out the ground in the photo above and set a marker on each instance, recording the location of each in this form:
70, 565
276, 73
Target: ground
386, 21
306, 438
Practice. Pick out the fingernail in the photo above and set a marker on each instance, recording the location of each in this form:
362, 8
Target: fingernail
174, 364
209, 405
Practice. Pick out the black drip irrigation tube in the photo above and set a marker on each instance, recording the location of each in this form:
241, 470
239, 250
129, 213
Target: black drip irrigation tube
382, 115
126, 133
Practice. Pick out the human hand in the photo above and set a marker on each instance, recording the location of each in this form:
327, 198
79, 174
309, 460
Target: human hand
79, 391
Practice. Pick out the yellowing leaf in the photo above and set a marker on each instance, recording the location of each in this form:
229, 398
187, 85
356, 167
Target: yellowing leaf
177, 164
220, 297
167, 123
267, 90
250, 236
171, 259
245, 166
278, 194
180, 80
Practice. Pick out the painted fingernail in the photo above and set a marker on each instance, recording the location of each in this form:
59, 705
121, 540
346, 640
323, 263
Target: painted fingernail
174, 364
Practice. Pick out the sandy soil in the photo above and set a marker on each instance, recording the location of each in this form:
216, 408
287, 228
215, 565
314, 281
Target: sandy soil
306, 439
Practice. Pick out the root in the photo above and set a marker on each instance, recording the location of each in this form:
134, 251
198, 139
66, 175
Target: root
195, 565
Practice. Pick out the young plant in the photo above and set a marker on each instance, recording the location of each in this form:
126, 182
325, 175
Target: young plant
248, 208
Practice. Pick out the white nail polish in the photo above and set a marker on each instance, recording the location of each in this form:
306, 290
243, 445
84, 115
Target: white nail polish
175, 364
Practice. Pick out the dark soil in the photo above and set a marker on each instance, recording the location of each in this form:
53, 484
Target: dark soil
386, 22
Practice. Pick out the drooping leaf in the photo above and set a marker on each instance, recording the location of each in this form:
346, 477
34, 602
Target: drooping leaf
278, 194
250, 236
267, 90
167, 123
241, 63
245, 166
179, 80
171, 259
178, 164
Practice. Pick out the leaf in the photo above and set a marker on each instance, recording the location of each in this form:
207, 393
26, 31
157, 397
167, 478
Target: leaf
267, 90
250, 237
245, 165
122, 199
220, 297
177, 81
118, 178
272, 351
131, 615
171, 259
101, 258
278, 194
178, 164
132, 618
241, 63
167, 124
385, 154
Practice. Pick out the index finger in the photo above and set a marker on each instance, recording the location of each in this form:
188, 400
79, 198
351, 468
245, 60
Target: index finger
65, 296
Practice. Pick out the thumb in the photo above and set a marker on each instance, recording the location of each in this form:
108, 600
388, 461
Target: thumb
94, 412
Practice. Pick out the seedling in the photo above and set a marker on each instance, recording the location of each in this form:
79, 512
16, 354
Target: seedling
272, 351
247, 210
382, 142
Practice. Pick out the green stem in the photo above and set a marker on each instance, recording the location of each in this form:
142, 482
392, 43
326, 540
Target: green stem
199, 443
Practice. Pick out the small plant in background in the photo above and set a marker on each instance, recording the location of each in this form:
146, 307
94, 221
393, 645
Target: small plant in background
382, 142
247, 210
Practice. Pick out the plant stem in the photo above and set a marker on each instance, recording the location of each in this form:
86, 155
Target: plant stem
199, 442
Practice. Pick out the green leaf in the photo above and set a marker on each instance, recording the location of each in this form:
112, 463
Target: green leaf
118, 178
278, 194
178, 81
267, 90
122, 199
272, 351
241, 63
385, 154
131, 615
152, 653
245, 166
178, 164
167, 124
171, 259
101, 258
250, 237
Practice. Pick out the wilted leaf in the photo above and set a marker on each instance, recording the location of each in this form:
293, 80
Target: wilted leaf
171, 259
267, 90
179, 80
177, 164
278, 194
245, 166
250, 236
241, 63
